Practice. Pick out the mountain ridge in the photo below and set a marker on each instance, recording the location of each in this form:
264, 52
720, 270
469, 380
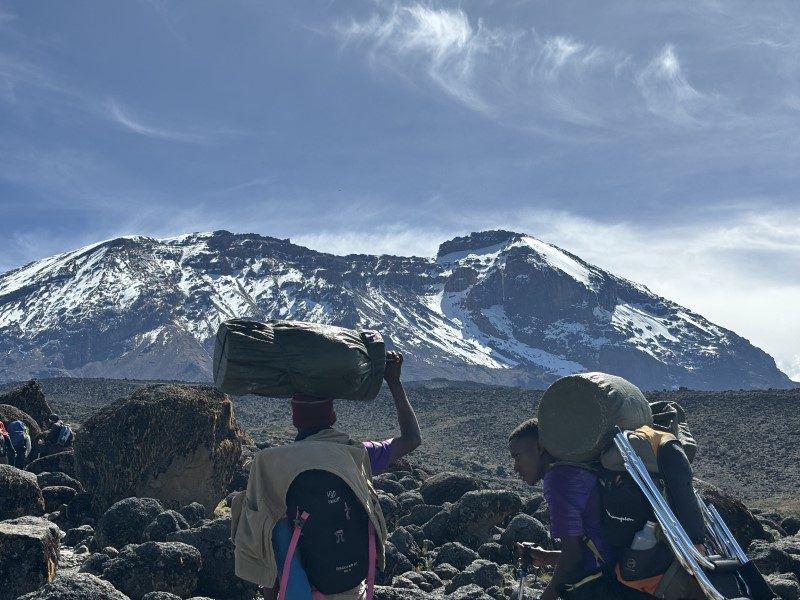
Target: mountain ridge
499, 307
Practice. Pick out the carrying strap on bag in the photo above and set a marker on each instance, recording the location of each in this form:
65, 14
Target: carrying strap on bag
287, 565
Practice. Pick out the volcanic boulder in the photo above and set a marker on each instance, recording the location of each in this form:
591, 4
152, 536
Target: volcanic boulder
154, 566
30, 399
76, 586
176, 443
742, 523
126, 522
62, 462
29, 549
19, 493
217, 577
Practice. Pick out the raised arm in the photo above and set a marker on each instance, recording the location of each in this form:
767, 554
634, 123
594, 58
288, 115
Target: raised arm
409, 427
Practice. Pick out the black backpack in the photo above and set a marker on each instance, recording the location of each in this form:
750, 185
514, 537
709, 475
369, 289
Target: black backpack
334, 545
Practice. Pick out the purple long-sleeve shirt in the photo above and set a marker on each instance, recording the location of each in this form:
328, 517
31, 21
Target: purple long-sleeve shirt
379, 455
573, 498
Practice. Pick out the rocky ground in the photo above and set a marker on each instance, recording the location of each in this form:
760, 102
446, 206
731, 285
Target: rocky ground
749, 440
454, 511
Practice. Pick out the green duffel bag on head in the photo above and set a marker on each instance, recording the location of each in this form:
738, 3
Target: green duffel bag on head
578, 414
282, 358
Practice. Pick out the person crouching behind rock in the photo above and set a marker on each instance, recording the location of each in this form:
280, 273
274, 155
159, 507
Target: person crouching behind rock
320, 486
584, 564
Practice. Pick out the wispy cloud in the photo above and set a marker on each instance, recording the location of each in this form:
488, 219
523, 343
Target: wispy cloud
506, 74
666, 90
123, 117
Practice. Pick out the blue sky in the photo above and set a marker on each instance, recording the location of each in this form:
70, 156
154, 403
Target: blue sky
656, 139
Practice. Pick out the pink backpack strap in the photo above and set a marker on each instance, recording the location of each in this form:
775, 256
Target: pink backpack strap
287, 564
373, 558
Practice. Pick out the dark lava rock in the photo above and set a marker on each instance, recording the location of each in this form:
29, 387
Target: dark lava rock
448, 487
154, 566
455, 554
396, 564
390, 509
782, 556
193, 513
19, 494
420, 514
427, 581
175, 443
437, 527
391, 593
387, 484
30, 399
481, 572
125, 522
217, 577
77, 535
79, 509
532, 504
785, 585
791, 525
408, 500
405, 544
493, 551
76, 586
56, 495
63, 462
475, 515
523, 528
29, 552
160, 596
167, 522
95, 564
470, 592
48, 479
445, 571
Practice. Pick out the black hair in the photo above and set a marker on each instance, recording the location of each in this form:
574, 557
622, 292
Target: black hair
526, 429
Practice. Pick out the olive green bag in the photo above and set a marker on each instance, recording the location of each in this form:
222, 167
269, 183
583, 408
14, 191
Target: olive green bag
281, 358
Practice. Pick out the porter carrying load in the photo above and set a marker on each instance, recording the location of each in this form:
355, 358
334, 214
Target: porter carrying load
282, 358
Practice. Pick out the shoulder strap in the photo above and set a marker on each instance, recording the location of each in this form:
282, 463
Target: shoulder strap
593, 467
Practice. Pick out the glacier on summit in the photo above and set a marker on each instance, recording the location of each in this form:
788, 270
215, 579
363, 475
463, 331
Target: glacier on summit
494, 306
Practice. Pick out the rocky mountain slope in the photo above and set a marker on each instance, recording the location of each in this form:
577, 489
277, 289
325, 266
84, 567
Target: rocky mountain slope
495, 307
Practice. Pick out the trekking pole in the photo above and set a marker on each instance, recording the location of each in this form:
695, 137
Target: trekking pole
721, 543
682, 547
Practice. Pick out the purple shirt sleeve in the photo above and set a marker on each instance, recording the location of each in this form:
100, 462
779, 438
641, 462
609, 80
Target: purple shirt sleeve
379, 455
567, 490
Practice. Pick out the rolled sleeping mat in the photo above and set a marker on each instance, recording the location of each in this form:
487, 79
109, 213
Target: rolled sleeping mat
578, 414
281, 358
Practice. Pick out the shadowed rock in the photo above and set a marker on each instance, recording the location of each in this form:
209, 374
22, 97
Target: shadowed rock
176, 443
55, 478
76, 586
217, 577
63, 462
19, 493
154, 566
30, 399
56, 495
29, 551
473, 518
448, 487
126, 522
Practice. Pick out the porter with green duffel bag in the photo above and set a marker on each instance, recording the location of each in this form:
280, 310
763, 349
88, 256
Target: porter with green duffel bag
281, 358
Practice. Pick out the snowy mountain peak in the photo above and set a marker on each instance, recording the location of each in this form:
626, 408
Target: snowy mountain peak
495, 306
